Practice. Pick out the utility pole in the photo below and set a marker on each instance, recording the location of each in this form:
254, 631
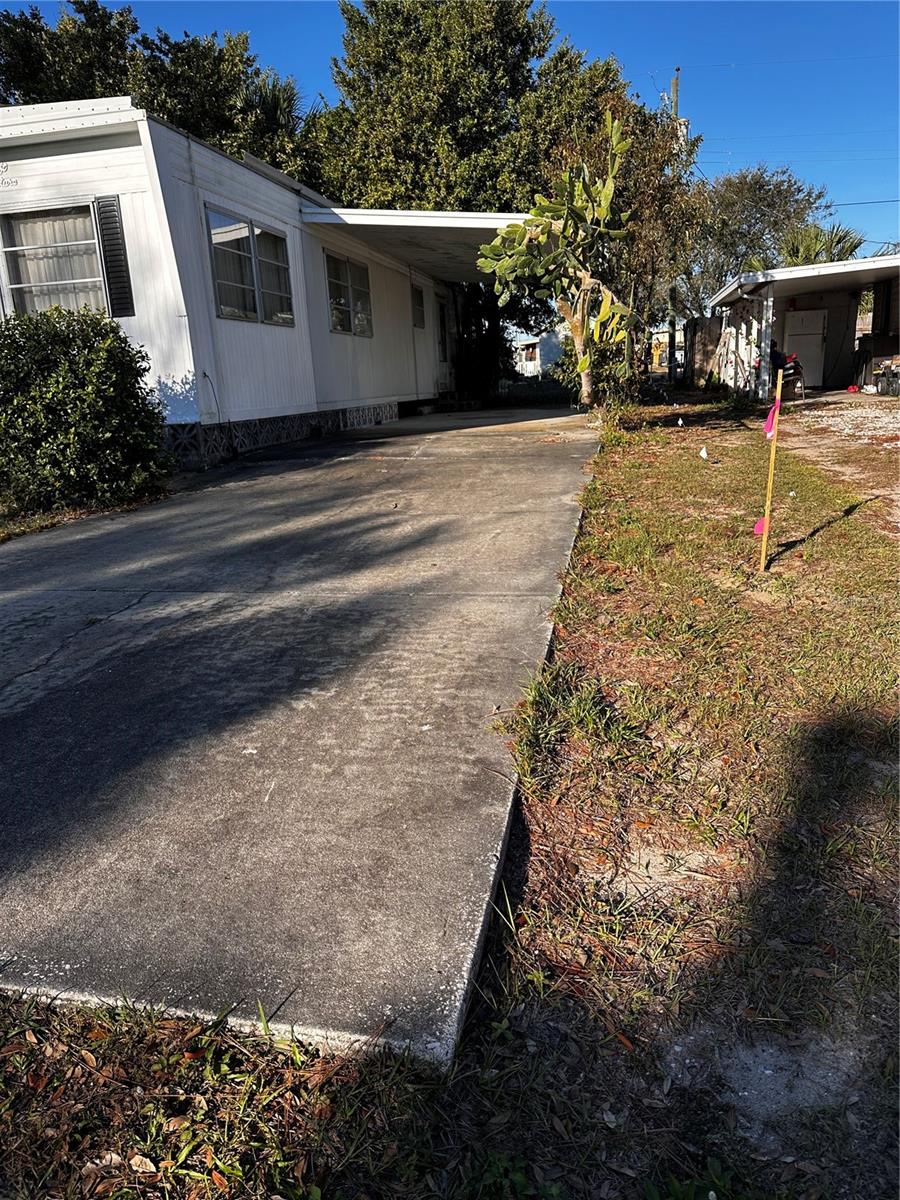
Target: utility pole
672, 292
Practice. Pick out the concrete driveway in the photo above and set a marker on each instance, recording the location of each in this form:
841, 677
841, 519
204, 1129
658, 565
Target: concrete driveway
246, 745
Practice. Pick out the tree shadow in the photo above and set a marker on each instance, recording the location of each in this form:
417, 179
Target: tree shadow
781, 1053
234, 720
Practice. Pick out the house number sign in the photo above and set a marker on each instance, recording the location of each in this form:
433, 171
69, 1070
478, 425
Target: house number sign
7, 180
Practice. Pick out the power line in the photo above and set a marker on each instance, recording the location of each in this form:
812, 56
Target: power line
851, 203
727, 162
781, 62
755, 137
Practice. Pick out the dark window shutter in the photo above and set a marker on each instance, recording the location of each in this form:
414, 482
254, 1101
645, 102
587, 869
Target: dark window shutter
115, 260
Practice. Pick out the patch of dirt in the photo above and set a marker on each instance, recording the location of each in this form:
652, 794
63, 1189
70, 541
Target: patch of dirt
855, 439
807, 1105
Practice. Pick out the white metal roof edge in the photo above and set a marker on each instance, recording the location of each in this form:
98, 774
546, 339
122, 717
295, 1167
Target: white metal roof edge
753, 279
63, 110
409, 218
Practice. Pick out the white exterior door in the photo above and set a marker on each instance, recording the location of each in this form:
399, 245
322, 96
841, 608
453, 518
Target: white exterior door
804, 335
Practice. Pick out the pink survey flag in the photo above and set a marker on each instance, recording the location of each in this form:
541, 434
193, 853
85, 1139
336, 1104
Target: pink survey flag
760, 527
770, 419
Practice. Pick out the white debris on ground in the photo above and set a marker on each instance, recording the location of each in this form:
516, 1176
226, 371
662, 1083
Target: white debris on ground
865, 422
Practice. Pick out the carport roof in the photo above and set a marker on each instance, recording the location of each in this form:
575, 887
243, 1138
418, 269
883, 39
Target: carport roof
855, 274
442, 244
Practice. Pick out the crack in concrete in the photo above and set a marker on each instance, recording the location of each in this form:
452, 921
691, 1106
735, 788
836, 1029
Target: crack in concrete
92, 623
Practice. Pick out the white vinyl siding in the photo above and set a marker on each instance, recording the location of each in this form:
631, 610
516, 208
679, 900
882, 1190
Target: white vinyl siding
52, 257
349, 296
251, 270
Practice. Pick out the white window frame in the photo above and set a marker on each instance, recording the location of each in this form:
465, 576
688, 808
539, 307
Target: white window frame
252, 225
351, 262
9, 288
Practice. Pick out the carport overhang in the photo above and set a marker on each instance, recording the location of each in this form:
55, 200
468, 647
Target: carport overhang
442, 244
854, 275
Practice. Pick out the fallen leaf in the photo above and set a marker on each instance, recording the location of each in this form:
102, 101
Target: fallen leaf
13, 1048
698, 600
626, 1042
176, 1123
643, 824
98, 1035
89, 1058
220, 1181
141, 1165
30, 1037
105, 1187
208, 1155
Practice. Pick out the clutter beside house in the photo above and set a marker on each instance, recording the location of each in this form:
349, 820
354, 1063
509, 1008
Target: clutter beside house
807, 314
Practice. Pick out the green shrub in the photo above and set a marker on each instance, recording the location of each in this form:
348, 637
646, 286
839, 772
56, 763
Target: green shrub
78, 424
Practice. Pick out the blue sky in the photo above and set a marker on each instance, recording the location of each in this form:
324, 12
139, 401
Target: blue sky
811, 84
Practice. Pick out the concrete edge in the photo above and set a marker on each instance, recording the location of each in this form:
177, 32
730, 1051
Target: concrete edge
475, 959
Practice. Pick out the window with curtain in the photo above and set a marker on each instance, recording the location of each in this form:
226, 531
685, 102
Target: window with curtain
274, 277
349, 296
418, 307
51, 258
233, 266
251, 270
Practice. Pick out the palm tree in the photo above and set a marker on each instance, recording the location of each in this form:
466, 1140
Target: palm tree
807, 244
813, 243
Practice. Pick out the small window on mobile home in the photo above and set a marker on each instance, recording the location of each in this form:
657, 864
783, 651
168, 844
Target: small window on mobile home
274, 277
349, 297
338, 273
52, 257
418, 307
233, 266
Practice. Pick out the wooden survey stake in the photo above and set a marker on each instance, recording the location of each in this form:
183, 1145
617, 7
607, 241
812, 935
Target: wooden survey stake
768, 515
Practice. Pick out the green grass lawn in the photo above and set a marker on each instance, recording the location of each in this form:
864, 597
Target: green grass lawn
693, 957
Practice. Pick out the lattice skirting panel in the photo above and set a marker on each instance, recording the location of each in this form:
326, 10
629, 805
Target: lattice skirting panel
195, 446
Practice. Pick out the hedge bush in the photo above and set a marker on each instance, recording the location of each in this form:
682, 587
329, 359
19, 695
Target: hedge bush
78, 424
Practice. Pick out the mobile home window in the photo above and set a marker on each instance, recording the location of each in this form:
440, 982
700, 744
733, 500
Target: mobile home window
418, 307
349, 296
251, 270
274, 277
52, 257
233, 266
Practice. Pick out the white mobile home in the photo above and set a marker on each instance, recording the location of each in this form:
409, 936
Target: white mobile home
267, 312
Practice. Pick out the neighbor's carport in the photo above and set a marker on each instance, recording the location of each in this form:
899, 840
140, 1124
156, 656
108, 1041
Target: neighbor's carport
810, 311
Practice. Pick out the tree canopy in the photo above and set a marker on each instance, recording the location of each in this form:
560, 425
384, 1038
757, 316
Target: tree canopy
213, 89
743, 218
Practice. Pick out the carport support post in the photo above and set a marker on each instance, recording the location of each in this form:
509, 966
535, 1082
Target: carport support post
765, 340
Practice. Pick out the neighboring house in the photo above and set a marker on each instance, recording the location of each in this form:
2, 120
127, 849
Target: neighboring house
809, 311
659, 347
267, 312
533, 355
